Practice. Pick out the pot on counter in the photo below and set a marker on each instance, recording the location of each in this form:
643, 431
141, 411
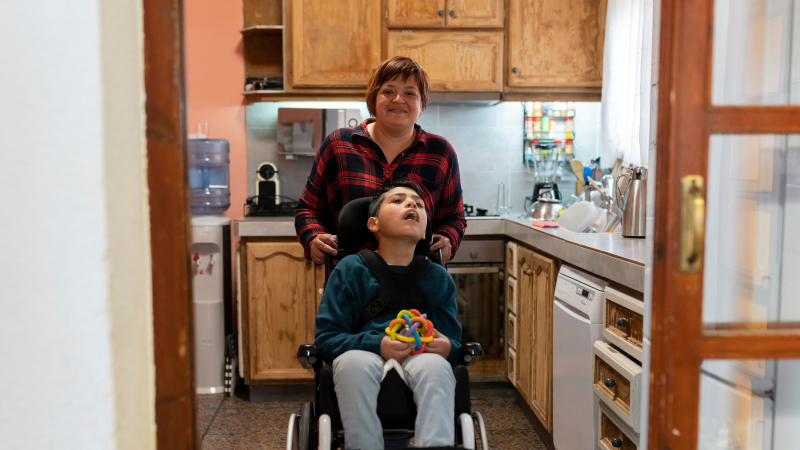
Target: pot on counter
545, 209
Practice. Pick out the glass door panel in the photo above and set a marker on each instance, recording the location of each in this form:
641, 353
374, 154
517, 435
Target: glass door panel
752, 247
756, 60
749, 404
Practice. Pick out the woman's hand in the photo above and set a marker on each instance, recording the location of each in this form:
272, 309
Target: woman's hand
444, 244
439, 345
398, 350
321, 244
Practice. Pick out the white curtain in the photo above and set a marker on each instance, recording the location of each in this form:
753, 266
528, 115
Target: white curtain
625, 108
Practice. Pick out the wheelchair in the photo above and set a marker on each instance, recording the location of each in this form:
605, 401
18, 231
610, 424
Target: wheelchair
318, 424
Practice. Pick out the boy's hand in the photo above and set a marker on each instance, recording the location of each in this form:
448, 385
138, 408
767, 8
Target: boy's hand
398, 350
439, 345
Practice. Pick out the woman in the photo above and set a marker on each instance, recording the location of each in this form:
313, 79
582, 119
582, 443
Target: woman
355, 163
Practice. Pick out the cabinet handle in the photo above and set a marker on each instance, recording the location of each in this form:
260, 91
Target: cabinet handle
452, 13
610, 383
441, 13
527, 271
616, 442
515, 70
622, 323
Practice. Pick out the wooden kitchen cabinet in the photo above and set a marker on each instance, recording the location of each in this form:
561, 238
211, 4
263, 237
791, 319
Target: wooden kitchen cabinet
475, 13
534, 352
544, 272
280, 296
334, 44
441, 13
454, 61
415, 13
556, 44
525, 322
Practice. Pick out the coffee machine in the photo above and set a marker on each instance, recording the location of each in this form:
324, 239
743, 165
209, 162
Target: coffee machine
268, 188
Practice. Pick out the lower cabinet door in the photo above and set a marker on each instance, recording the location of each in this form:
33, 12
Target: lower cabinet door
544, 272
278, 312
454, 61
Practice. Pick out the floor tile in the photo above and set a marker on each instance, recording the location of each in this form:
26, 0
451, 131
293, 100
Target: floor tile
209, 402
231, 441
246, 421
204, 422
501, 414
515, 440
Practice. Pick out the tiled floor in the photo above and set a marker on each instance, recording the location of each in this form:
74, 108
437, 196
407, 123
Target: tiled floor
232, 423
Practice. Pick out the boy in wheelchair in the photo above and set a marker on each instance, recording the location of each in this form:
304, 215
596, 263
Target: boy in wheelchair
363, 294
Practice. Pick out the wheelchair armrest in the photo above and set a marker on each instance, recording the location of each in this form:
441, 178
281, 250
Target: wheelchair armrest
470, 353
309, 357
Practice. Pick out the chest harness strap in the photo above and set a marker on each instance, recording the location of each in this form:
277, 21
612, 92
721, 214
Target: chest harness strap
396, 290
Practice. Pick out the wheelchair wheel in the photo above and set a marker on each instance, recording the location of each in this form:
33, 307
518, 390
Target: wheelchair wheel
465, 432
481, 430
305, 439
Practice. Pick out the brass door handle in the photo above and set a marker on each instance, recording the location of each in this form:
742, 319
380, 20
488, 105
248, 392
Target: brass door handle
693, 222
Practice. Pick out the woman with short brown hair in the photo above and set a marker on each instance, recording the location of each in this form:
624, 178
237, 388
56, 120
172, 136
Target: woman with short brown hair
356, 162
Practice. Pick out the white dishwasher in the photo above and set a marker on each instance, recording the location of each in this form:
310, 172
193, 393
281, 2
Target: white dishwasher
577, 323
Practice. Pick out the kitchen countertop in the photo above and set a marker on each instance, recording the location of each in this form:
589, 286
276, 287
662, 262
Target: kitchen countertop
607, 255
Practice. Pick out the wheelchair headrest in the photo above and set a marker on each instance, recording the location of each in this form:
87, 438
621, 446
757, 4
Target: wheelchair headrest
352, 231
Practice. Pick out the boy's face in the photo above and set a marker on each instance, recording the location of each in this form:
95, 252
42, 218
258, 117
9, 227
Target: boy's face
401, 215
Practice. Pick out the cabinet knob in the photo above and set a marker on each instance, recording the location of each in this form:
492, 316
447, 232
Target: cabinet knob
441, 13
473, 254
622, 323
515, 70
616, 442
610, 383
525, 271
452, 13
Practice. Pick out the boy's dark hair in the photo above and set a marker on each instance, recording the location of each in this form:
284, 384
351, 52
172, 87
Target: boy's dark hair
375, 204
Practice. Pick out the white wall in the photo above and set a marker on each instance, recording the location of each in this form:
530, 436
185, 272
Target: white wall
75, 320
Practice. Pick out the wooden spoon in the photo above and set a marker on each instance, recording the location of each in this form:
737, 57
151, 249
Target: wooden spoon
599, 190
577, 167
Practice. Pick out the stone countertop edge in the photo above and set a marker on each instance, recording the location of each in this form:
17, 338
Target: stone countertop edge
606, 255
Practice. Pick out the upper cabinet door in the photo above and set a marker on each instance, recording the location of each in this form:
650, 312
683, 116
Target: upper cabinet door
556, 43
416, 14
335, 44
475, 13
454, 61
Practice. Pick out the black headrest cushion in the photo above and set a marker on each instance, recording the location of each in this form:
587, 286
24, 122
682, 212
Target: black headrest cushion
352, 230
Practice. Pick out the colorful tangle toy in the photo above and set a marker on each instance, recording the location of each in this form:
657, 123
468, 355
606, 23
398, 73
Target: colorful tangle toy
412, 320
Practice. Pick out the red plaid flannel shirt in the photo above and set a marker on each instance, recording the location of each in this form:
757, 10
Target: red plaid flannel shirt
350, 165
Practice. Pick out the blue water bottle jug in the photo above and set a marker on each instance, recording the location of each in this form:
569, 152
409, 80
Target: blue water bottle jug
208, 176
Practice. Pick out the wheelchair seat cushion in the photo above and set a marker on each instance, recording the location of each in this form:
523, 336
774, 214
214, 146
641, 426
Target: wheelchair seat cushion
396, 407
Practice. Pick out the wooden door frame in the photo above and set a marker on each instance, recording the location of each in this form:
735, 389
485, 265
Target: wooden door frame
686, 121
173, 332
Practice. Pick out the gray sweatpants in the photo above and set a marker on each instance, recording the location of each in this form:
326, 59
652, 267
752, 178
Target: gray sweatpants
357, 380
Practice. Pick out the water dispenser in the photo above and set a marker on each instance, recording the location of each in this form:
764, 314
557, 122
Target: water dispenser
208, 176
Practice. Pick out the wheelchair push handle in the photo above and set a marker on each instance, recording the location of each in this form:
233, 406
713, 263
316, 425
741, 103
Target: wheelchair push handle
308, 356
471, 352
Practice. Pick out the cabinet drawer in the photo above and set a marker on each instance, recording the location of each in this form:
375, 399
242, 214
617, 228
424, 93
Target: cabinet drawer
512, 366
623, 319
511, 294
512, 331
614, 434
616, 381
479, 252
511, 259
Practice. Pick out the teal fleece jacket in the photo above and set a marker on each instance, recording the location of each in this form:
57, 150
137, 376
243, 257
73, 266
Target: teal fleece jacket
347, 292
